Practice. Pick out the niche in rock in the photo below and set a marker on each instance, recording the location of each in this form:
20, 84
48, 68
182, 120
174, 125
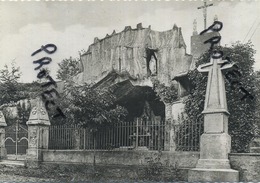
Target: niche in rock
129, 53
151, 61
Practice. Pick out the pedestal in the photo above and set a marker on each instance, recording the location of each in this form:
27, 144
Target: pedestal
213, 175
215, 143
214, 149
213, 164
38, 134
37, 141
33, 158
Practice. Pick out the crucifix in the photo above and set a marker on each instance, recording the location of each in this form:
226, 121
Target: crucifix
204, 7
215, 141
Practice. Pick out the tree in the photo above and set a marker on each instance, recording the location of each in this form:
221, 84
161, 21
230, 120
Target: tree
257, 86
68, 67
23, 112
90, 107
12, 76
242, 112
10, 89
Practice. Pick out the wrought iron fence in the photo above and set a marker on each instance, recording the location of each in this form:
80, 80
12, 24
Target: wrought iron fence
122, 136
128, 136
187, 135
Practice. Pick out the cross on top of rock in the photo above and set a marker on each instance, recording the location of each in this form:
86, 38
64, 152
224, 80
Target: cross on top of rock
204, 7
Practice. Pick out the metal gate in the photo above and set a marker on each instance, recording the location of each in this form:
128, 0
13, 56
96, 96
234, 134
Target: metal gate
16, 141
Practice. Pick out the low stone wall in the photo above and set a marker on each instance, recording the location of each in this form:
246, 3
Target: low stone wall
248, 165
138, 163
126, 165
175, 159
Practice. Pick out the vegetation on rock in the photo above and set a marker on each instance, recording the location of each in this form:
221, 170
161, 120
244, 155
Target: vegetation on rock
167, 94
242, 117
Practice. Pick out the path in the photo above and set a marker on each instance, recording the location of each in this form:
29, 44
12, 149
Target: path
17, 178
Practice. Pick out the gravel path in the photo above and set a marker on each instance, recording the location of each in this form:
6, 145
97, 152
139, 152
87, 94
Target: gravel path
18, 178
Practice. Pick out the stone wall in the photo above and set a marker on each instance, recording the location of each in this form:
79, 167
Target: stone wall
130, 158
248, 164
127, 165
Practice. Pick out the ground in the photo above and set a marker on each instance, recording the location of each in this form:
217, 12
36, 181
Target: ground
17, 178
78, 173
50, 174
23, 174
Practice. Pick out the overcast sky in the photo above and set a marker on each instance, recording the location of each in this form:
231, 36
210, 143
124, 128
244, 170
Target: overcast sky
72, 26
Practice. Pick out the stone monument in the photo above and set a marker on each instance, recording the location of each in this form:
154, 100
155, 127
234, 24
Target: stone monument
38, 134
215, 143
2, 136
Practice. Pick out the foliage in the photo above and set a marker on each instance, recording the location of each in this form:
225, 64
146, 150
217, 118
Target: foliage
90, 107
32, 90
10, 76
187, 133
242, 112
67, 68
14, 112
10, 89
9, 117
23, 112
257, 93
167, 94
11, 92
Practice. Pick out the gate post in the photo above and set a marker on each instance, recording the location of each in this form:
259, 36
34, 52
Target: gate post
2, 136
38, 134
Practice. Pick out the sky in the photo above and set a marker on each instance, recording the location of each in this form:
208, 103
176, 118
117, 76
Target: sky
72, 26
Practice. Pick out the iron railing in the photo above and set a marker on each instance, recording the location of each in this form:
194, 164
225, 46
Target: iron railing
128, 136
122, 136
187, 135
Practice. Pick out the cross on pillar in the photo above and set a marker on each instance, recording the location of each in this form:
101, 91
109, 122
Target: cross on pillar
215, 143
204, 7
215, 117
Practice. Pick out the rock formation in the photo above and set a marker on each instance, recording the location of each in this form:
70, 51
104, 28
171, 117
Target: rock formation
139, 52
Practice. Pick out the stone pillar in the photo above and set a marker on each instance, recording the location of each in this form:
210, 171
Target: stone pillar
76, 139
167, 126
2, 136
169, 143
172, 111
38, 134
215, 142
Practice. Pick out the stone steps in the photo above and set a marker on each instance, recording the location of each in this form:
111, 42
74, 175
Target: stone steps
12, 163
